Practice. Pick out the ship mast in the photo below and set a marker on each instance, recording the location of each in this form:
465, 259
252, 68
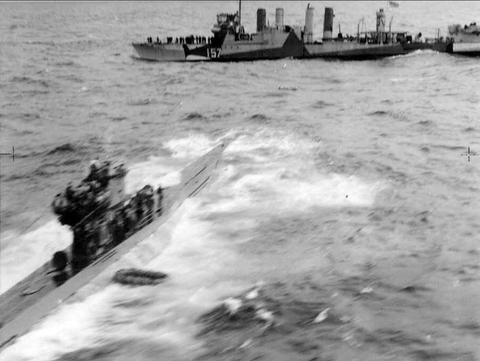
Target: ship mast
239, 13
390, 29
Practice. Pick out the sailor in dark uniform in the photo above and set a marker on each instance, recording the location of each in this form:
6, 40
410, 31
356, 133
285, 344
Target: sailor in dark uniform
131, 219
118, 227
60, 272
79, 250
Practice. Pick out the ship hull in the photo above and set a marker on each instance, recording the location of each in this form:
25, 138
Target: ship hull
352, 50
466, 41
466, 49
439, 47
292, 47
469, 38
30, 300
168, 52
271, 45
265, 46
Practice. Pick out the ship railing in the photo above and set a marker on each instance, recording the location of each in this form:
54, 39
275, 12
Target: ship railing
89, 215
146, 220
189, 40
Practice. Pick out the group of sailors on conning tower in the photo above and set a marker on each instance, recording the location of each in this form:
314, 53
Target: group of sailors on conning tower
100, 216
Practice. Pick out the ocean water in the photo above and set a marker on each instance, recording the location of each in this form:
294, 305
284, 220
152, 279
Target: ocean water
349, 196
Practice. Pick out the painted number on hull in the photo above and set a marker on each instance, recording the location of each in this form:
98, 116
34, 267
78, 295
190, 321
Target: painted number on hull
213, 53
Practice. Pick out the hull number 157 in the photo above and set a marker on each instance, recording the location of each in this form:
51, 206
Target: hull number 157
213, 53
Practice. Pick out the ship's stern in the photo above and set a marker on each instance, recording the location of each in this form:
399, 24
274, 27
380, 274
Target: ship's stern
160, 52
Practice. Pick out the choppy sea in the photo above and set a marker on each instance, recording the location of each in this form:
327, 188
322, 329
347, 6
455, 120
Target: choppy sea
349, 196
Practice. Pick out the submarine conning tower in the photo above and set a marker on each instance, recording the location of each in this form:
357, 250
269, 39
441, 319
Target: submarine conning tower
308, 36
261, 20
101, 189
328, 24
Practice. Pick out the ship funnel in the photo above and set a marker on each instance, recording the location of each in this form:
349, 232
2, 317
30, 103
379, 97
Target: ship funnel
381, 26
328, 24
309, 25
261, 19
380, 21
279, 18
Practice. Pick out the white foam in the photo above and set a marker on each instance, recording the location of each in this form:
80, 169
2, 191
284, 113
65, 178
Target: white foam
69, 328
273, 140
191, 146
158, 171
153, 172
274, 192
282, 176
198, 264
30, 251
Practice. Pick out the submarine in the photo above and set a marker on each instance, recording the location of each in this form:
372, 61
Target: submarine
106, 224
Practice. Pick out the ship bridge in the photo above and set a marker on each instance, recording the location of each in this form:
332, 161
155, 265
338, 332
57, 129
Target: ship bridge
227, 24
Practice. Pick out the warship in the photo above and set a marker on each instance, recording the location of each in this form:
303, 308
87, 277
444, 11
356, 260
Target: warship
365, 45
466, 40
230, 42
106, 224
